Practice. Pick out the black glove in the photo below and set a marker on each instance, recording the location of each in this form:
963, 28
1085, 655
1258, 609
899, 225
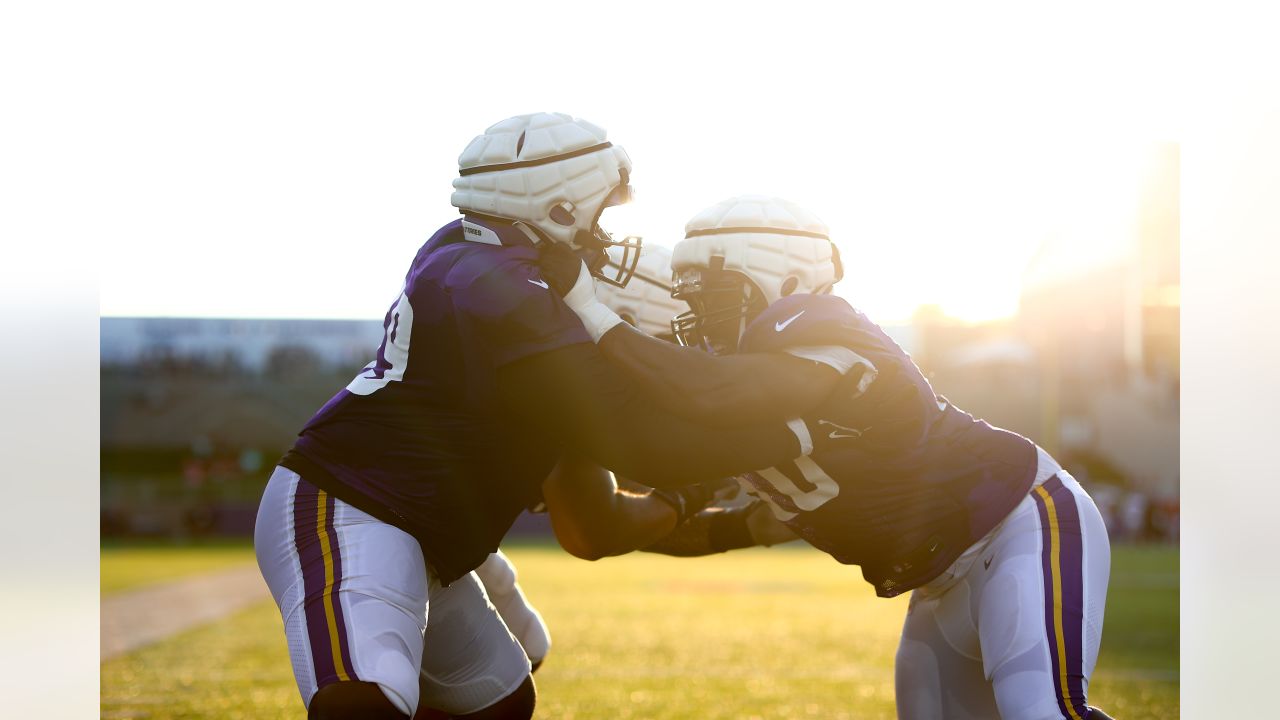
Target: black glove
710, 532
729, 530
689, 500
560, 266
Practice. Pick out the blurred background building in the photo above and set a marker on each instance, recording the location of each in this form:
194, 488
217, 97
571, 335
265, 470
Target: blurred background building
195, 412
1089, 366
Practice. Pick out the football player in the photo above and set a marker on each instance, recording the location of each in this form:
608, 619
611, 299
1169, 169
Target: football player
1007, 556
406, 480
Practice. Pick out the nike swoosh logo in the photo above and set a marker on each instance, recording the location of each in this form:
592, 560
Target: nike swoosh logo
541, 283
848, 432
986, 563
779, 327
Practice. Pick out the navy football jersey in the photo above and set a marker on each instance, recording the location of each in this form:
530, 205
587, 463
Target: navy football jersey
414, 439
899, 481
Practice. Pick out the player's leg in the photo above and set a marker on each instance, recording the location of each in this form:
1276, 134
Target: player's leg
352, 592
1042, 604
472, 666
938, 669
500, 583
345, 700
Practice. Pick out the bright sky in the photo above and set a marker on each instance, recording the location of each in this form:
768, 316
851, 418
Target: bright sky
289, 162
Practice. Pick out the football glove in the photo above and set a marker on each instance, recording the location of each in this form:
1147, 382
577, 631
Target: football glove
688, 500
568, 276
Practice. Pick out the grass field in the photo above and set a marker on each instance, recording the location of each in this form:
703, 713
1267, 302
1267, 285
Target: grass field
777, 633
132, 567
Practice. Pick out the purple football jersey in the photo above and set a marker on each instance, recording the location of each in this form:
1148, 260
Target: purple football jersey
900, 481
416, 438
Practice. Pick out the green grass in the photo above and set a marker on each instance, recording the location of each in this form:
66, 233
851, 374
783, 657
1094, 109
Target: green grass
128, 567
1137, 674
777, 633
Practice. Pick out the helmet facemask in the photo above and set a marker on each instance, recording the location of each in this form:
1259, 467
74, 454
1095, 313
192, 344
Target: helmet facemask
722, 303
594, 243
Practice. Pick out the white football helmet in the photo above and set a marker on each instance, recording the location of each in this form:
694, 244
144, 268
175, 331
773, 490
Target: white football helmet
741, 255
554, 175
646, 302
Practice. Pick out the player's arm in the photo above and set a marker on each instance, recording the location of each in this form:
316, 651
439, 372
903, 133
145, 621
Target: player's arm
593, 518
718, 530
572, 397
724, 390
731, 389
554, 387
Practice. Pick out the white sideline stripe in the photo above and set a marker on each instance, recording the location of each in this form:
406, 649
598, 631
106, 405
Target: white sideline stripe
137, 618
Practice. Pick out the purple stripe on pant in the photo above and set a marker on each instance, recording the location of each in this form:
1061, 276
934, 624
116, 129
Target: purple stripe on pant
306, 537
1071, 573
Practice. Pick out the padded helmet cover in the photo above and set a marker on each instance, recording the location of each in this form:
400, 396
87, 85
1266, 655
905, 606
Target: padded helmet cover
551, 171
765, 239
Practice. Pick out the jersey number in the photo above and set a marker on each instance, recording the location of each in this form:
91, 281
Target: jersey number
822, 487
393, 353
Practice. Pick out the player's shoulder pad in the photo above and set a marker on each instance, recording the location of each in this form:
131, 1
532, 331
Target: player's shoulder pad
805, 320
497, 280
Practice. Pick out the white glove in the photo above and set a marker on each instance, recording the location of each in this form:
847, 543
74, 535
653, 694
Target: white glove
596, 317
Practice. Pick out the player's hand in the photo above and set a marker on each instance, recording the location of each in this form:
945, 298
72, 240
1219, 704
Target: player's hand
566, 273
724, 491
765, 528
561, 267
689, 500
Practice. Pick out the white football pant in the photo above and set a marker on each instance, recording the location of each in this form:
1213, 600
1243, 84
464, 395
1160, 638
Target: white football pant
1012, 629
522, 619
359, 604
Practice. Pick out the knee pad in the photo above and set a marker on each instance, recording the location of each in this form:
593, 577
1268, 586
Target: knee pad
497, 574
351, 701
532, 632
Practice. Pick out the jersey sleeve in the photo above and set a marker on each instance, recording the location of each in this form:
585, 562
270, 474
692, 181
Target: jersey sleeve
837, 357
509, 312
807, 321
821, 328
